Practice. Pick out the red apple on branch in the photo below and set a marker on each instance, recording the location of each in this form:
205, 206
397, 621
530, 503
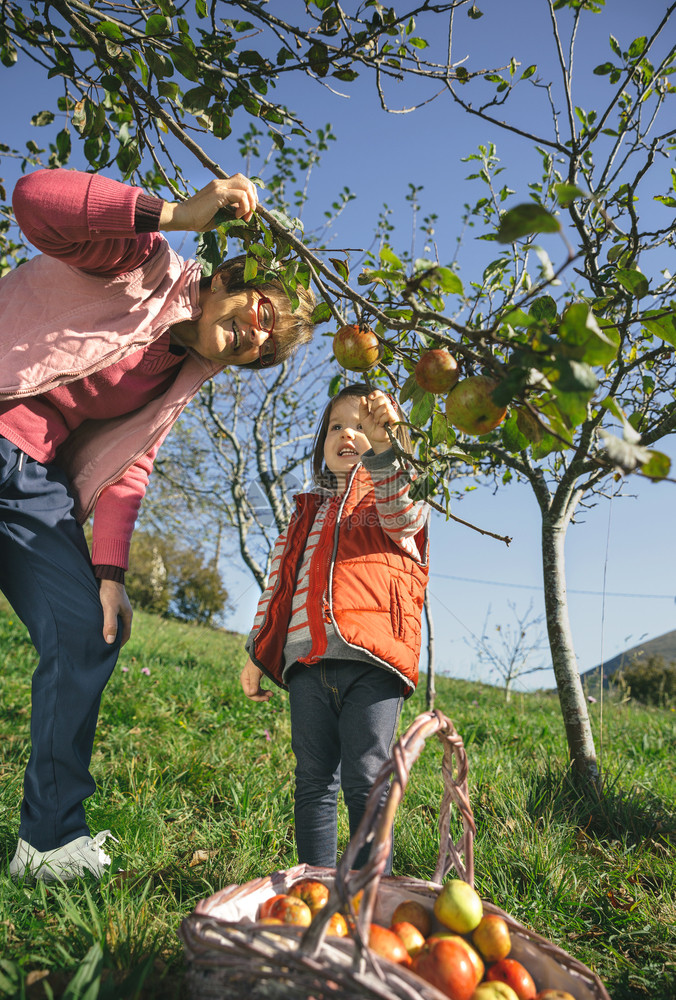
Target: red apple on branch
437, 371
356, 348
470, 406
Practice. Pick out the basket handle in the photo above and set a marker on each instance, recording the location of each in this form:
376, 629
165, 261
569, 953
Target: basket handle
376, 825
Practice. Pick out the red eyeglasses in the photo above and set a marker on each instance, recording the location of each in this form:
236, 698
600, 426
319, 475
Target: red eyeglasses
267, 352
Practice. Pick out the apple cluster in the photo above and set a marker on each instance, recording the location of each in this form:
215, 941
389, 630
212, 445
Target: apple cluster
469, 401
467, 959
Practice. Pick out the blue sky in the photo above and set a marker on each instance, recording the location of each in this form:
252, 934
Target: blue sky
624, 547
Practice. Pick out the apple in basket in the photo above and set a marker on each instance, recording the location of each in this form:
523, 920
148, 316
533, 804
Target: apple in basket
474, 956
494, 991
386, 944
492, 937
410, 935
413, 912
313, 892
458, 906
554, 995
337, 925
289, 909
446, 965
514, 974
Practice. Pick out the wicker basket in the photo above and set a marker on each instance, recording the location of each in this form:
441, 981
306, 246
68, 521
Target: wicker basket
231, 957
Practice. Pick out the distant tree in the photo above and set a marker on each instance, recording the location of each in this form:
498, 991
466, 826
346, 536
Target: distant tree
168, 577
651, 681
508, 649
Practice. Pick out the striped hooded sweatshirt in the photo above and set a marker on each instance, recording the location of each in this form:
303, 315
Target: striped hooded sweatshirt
348, 578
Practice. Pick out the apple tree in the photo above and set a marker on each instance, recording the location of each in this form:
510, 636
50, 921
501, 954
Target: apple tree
564, 366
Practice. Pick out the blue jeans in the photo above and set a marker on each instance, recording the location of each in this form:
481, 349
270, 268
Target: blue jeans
344, 716
47, 576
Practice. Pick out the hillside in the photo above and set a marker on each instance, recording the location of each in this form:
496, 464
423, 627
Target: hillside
662, 645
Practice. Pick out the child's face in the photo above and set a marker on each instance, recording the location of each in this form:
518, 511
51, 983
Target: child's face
345, 440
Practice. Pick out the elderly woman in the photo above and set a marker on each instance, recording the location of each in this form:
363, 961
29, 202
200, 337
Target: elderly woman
106, 335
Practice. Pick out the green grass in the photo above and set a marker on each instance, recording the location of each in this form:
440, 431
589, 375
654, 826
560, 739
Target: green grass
184, 763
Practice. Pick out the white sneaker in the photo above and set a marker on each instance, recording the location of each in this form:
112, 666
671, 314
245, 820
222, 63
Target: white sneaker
82, 855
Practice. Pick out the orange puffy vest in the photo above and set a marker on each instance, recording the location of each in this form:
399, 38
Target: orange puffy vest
375, 591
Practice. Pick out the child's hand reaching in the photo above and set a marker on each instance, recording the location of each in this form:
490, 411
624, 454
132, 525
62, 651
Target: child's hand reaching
250, 679
375, 411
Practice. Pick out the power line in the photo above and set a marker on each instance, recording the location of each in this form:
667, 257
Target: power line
529, 586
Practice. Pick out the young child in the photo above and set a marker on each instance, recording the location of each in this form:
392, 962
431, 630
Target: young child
339, 622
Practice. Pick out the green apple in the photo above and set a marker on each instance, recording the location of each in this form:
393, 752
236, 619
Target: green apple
494, 991
458, 906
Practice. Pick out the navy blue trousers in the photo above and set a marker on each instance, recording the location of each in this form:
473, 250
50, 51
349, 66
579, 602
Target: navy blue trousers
344, 716
47, 576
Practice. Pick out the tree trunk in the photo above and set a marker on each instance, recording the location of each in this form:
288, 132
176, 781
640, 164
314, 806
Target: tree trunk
431, 692
568, 682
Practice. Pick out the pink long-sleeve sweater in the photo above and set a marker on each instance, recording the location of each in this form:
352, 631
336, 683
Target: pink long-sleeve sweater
102, 227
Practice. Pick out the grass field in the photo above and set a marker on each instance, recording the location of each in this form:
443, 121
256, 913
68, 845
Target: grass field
197, 784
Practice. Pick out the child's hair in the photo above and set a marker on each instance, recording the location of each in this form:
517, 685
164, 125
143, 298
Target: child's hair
298, 326
324, 477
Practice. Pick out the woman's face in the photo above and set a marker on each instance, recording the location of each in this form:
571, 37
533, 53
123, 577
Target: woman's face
230, 329
345, 440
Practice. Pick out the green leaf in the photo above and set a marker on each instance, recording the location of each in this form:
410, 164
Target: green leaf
528, 72
341, 267
574, 377
474, 12
604, 69
543, 448
524, 220
348, 75
250, 268
633, 281
439, 431
208, 253
42, 118
517, 318
283, 220
157, 25
185, 62
567, 193
335, 385
580, 331
449, 281
543, 308
63, 145
407, 389
529, 426
321, 313
422, 409
657, 466
318, 57
512, 438
197, 98
110, 30
661, 325
637, 47
387, 254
